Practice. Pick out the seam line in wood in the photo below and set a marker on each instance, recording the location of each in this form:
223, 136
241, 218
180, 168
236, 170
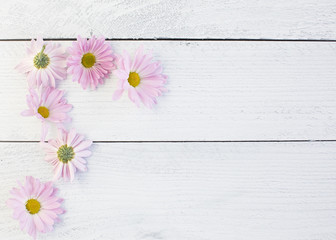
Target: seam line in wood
210, 141
184, 39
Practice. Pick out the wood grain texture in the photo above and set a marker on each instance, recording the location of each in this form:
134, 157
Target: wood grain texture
303, 19
217, 91
185, 191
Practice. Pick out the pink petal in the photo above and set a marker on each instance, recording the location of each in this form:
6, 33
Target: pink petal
117, 94
38, 223
85, 153
83, 145
28, 112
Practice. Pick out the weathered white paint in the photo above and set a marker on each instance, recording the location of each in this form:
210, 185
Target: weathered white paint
187, 191
304, 19
217, 91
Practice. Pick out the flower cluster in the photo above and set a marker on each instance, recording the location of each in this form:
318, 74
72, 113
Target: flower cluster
90, 62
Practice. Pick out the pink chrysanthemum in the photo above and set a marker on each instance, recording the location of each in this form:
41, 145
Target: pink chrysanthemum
36, 206
67, 153
90, 61
49, 106
142, 78
45, 63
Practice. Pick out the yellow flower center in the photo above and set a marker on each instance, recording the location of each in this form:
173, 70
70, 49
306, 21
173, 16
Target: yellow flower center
88, 60
133, 79
33, 206
43, 111
41, 60
65, 153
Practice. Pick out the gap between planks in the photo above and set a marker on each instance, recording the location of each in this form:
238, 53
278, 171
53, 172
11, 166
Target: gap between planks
215, 141
182, 39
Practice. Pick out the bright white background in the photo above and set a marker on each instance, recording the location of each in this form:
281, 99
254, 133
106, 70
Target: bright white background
243, 146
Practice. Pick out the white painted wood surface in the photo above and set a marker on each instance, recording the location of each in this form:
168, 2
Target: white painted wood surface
303, 19
187, 191
217, 91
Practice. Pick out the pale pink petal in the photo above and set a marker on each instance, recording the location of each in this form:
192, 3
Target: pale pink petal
44, 131
28, 112
38, 223
79, 165
83, 145
71, 171
71, 137
46, 218
84, 153
58, 172
117, 94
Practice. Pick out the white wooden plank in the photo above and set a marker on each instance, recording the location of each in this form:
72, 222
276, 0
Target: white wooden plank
217, 91
265, 191
304, 19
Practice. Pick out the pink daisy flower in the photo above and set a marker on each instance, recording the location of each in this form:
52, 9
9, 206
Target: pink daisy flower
67, 153
49, 106
44, 64
90, 61
142, 78
35, 206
